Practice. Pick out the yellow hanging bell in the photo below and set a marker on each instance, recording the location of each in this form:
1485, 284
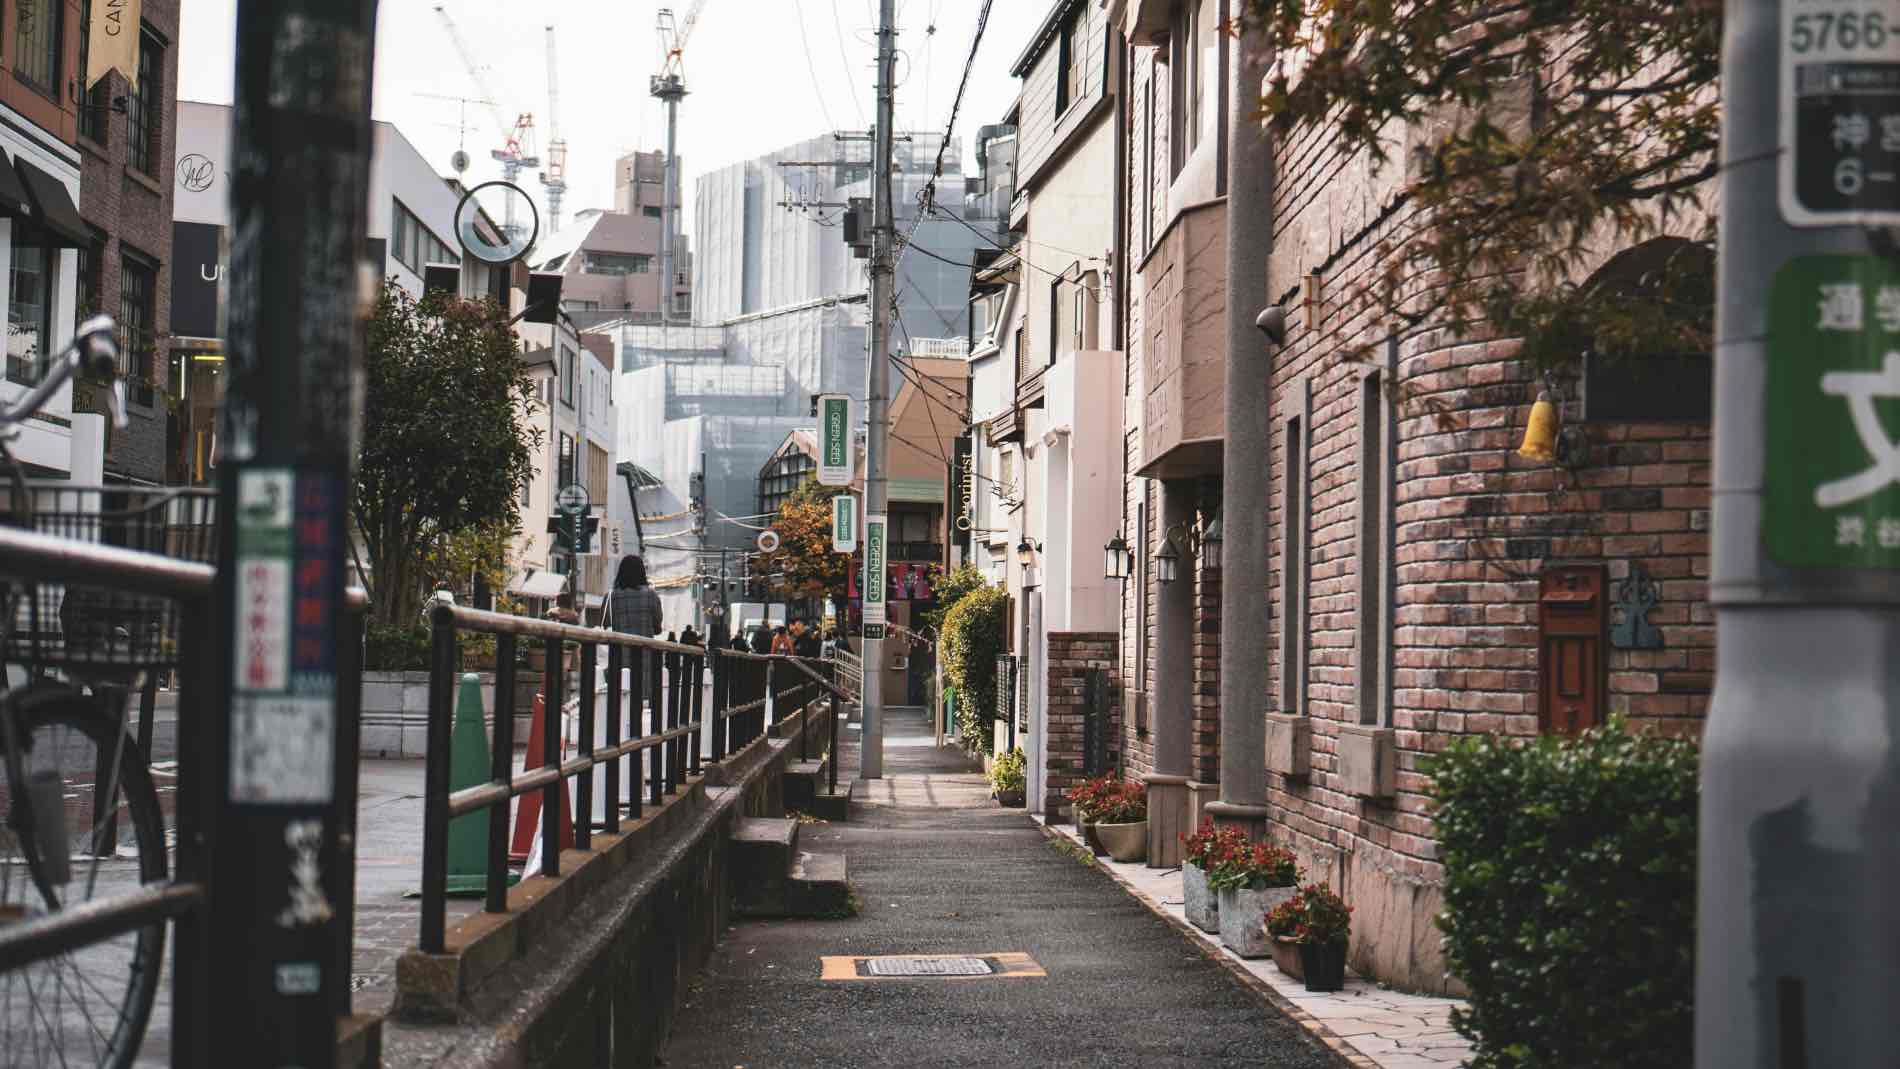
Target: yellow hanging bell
1540, 437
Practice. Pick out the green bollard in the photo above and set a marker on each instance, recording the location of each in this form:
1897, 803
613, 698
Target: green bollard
468, 767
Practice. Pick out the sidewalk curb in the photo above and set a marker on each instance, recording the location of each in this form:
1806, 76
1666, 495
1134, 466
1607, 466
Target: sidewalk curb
1264, 991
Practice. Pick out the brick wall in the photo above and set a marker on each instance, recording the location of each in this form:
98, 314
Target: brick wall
133, 210
1204, 731
1472, 526
1072, 655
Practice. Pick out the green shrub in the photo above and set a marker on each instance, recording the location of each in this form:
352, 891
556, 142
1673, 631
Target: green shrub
1570, 894
972, 640
396, 647
1009, 771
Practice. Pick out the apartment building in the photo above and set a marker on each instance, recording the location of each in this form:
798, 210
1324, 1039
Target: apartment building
46, 240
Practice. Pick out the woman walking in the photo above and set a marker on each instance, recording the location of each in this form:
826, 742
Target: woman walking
634, 609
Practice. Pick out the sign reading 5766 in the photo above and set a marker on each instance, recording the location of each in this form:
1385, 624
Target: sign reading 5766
1840, 112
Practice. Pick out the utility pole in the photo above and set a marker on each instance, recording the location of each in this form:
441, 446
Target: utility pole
876, 395
1797, 918
276, 849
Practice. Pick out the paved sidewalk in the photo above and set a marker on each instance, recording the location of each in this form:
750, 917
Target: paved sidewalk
941, 870
1388, 1029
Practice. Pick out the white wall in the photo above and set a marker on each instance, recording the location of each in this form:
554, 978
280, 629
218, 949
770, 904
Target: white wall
45, 444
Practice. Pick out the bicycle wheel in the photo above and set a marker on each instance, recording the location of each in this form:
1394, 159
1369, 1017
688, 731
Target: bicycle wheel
60, 849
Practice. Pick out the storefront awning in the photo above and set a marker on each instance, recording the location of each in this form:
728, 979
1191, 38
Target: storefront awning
538, 584
53, 207
13, 200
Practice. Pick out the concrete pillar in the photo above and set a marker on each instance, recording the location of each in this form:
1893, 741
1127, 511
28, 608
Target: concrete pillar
1244, 472
1173, 686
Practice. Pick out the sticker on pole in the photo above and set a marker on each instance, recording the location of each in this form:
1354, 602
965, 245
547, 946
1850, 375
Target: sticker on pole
1832, 484
844, 524
834, 440
875, 585
769, 541
1840, 112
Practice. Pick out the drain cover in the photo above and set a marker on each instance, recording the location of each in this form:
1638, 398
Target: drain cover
922, 966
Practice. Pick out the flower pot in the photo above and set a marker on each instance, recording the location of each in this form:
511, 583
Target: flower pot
1094, 840
1324, 965
1203, 907
1124, 842
1011, 798
1243, 913
1286, 955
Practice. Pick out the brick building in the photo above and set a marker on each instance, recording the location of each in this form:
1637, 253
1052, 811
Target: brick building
126, 132
1426, 579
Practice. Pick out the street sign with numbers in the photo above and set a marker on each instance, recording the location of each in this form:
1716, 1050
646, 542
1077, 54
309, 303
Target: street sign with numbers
1840, 112
1832, 493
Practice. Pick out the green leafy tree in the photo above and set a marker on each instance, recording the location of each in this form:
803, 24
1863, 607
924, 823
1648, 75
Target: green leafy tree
949, 588
445, 451
1531, 135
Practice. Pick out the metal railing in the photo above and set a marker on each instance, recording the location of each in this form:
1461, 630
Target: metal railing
663, 715
181, 899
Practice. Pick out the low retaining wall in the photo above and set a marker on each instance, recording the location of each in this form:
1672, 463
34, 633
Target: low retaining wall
588, 968
396, 710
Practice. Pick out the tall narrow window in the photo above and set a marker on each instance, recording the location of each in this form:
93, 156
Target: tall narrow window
1148, 162
1055, 318
1071, 52
566, 460
568, 374
36, 44
29, 304
1186, 103
147, 115
95, 105
1293, 536
138, 322
1375, 561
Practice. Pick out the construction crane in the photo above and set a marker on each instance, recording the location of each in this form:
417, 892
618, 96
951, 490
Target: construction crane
554, 175
516, 153
669, 86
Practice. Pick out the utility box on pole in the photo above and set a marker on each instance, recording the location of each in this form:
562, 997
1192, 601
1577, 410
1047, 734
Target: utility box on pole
274, 848
1798, 925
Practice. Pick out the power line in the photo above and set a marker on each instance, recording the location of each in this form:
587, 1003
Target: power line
811, 64
837, 23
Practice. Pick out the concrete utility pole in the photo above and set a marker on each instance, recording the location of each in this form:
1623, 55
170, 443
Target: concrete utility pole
877, 389
1244, 474
275, 846
1798, 921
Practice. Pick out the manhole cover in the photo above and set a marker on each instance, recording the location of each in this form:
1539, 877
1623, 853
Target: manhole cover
927, 967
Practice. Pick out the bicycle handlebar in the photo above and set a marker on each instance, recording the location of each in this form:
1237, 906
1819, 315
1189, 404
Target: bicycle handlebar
93, 348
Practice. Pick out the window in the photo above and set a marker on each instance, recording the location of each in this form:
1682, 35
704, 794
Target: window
616, 263
1081, 309
597, 473
1071, 54
1186, 104
138, 322
566, 461
1022, 355
569, 372
29, 304
1148, 162
1006, 472
97, 103
147, 107
1295, 536
36, 44
92, 262
1374, 551
1055, 318
413, 244
650, 211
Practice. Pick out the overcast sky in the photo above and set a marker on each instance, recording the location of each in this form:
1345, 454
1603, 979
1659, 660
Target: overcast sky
754, 84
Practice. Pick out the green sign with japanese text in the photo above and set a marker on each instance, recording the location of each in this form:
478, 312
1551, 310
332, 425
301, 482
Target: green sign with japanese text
1831, 497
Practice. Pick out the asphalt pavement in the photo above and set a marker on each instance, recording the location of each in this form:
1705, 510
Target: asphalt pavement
940, 870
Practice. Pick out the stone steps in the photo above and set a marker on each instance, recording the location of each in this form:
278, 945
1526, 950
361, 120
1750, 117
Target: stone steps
771, 877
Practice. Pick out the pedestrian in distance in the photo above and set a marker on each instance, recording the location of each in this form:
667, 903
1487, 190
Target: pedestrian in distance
762, 640
804, 639
634, 609
690, 637
781, 641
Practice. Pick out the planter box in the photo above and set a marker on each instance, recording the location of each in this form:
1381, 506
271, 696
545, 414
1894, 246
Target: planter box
1094, 841
1324, 966
1286, 955
1289, 745
1125, 842
1010, 799
1203, 906
1243, 915
1368, 762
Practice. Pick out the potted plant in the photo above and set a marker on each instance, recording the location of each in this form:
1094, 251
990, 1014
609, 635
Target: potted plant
1283, 926
1088, 796
1007, 777
1200, 852
1249, 882
1121, 821
1324, 932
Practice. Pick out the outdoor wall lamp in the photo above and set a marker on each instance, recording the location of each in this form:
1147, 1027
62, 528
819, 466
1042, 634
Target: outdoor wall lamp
1118, 561
1200, 539
1546, 439
1167, 560
1026, 552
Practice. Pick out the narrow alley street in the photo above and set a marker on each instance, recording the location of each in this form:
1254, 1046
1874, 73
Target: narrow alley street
939, 870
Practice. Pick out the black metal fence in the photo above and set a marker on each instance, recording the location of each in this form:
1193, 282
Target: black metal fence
660, 708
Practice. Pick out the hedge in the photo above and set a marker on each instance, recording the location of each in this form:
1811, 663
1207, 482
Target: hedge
972, 640
1570, 869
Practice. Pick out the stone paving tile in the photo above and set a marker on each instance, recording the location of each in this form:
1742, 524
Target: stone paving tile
1389, 1029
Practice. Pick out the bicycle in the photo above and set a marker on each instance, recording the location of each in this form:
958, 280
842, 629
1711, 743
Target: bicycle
79, 653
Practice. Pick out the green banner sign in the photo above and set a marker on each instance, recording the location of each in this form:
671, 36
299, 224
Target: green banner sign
876, 584
834, 440
844, 524
1832, 483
